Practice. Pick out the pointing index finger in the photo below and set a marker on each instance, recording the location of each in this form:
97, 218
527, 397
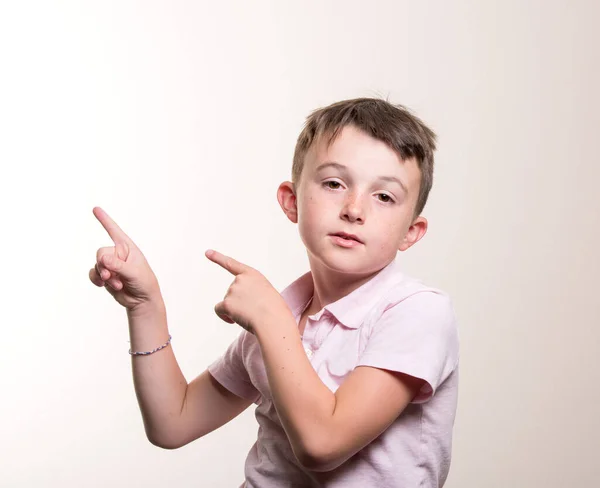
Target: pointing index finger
230, 264
114, 231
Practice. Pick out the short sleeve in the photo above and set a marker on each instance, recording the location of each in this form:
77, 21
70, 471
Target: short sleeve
417, 336
230, 371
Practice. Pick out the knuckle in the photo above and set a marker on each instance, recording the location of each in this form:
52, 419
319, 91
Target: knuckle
99, 270
103, 251
94, 278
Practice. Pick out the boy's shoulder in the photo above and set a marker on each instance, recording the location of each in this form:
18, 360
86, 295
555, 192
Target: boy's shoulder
403, 288
410, 298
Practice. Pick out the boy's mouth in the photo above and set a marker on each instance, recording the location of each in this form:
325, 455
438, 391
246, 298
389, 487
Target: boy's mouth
349, 237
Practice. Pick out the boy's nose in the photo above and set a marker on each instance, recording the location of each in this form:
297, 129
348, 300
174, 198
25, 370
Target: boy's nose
353, 211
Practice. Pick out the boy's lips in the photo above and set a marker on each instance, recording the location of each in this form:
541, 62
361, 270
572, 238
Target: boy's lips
344, 235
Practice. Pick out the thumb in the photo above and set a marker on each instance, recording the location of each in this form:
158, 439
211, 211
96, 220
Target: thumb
122, 250
115, 264
220, 311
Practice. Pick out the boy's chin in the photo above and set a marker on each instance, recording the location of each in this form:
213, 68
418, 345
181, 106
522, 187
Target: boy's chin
349, 263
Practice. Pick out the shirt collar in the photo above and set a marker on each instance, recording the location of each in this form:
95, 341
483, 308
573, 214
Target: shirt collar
351, 309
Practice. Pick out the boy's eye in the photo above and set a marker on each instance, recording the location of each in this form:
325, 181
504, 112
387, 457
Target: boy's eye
335, 184
385, 198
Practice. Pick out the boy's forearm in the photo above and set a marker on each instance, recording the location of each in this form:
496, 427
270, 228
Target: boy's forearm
159, 383
304, 404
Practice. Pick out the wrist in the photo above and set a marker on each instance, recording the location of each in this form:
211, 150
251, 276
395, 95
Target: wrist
147, 308
148, 326
281, 323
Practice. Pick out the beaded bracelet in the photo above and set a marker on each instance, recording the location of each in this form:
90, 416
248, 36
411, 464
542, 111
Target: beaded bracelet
145, 353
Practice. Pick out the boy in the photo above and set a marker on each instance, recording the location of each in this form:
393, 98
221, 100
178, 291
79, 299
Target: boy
354, 366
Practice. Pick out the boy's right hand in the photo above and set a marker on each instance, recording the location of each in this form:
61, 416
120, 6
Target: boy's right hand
122, 269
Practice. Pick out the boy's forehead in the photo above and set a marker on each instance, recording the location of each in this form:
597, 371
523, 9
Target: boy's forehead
350, 142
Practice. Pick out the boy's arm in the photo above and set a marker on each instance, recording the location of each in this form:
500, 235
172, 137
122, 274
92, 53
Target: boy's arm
326, 429
174, 413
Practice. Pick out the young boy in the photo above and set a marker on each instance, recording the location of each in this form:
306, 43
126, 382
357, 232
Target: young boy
354, 366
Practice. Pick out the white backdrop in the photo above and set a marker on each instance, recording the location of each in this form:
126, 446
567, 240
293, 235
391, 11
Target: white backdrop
179, 118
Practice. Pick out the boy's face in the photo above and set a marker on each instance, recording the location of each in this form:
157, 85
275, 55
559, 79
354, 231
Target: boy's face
358, 185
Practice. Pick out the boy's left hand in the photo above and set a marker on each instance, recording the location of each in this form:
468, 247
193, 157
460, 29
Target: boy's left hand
250, 300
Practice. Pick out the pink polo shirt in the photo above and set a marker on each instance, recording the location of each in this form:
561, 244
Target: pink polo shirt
392, 322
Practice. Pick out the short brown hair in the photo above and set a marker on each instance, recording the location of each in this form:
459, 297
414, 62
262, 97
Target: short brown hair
392, 124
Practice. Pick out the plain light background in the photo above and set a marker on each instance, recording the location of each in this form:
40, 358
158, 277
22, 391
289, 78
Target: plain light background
180, 119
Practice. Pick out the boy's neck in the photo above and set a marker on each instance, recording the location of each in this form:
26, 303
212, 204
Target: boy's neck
329, 286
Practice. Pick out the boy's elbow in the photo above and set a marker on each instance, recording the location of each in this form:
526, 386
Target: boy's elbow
163, 441
314, 463
320, 457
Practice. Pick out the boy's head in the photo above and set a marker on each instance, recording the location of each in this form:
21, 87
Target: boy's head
362, 167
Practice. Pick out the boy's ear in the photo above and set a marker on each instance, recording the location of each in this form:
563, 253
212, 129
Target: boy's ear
414, 234
286, 196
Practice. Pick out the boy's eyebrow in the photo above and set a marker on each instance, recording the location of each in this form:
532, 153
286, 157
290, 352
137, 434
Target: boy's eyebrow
341, 167
393, 179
